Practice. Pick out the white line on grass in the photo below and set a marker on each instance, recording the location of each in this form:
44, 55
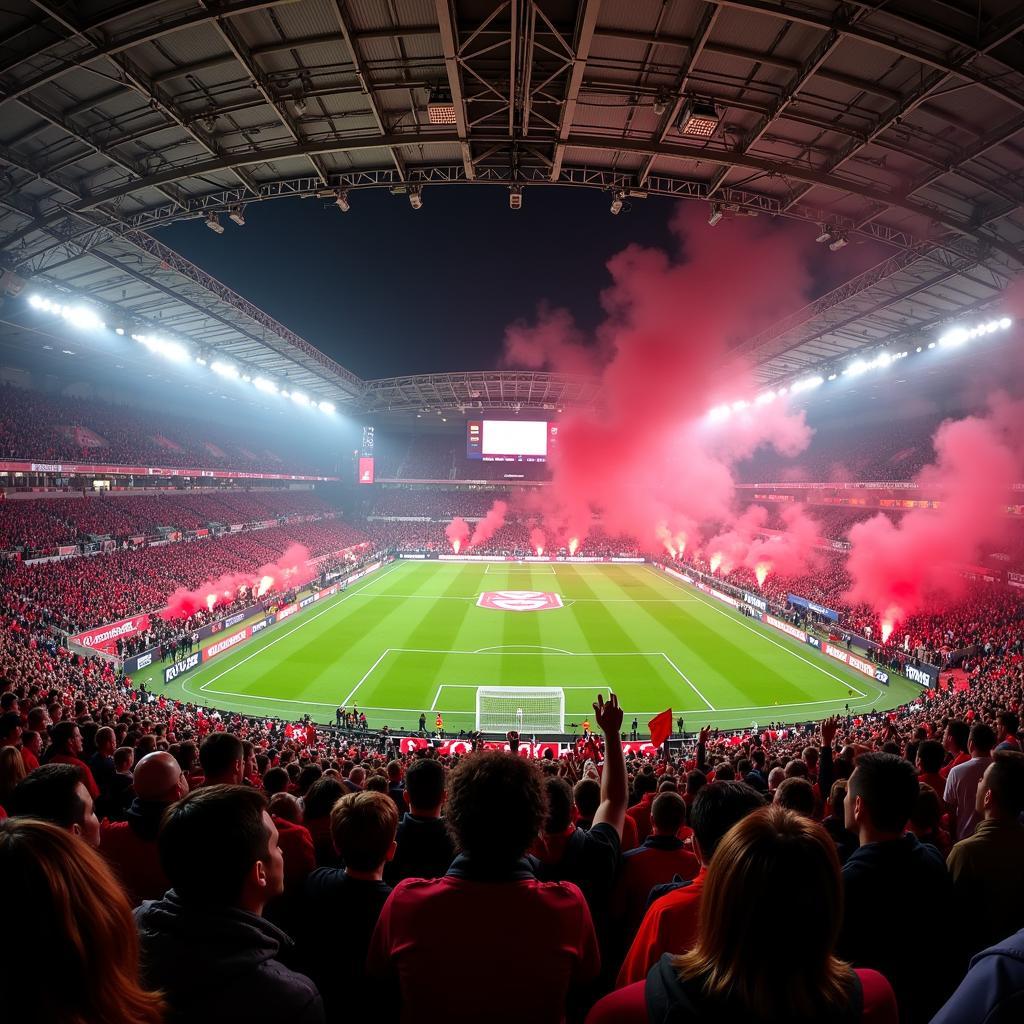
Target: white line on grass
782, 647
296, 628
687, 681
526, 649
507, 567
366, 676
433, 706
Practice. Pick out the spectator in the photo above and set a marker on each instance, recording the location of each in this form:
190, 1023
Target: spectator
835, 821
56, 793
646, 788
130, 846
101, 764
66, 748
670, 923
223, 759
773, 858
495, 809
396, 788
1007, 724
796, 794
988, 867
121, 792
954, 742
926, 819
961, 792
12, 771
993, 991
660, 858
340, 906
76, 957
930, 756
890, 870
424, 847
206, 944
317, 807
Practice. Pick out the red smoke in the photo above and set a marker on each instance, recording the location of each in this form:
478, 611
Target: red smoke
457, 532
538, 541
289, 570
649, 458
490, 524
896, 569
788, 553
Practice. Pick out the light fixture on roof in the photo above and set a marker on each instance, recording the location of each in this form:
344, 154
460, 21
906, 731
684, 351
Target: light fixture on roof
839, 242
661, 102
224, 369
237, 215
300, 104
824, 233
716, 214
327, 407
214, 224
416, 197
341, 200
267, 386
698, 119
618, 200
440, 108
515, 197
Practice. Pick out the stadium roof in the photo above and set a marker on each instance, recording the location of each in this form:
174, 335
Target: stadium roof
898, 123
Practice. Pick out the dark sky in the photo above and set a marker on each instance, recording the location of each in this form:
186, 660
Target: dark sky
387, 290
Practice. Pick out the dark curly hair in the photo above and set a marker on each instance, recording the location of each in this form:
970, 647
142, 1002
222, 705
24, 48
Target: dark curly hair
496, 805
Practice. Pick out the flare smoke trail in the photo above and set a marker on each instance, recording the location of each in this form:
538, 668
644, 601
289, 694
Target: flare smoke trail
287, 571
490, 524
538, 540
897, 568
457, 532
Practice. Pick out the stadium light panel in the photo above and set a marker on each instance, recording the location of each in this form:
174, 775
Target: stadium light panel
200, 360
299, 398
1006, 323
716, 215
416, 197
617, 203
214, 224
267, 386
719, 413
824, 234
765, 398
515, 197
698, 119
237, 215
440, 107
341, 200
833, 376
327, 407
739, 406
806, 384
839, 242
82, 317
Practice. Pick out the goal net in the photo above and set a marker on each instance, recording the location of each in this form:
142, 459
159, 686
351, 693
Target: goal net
527, 709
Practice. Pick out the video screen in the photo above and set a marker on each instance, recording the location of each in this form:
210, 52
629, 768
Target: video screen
510, 440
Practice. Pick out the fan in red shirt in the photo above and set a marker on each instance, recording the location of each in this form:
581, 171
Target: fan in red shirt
66, 748
773, 858
670, 924
645, 786
541, 932
659, 859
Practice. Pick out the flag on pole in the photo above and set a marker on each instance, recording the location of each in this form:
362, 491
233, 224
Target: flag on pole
661, 727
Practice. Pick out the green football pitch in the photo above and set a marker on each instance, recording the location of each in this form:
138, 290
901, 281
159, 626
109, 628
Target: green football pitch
414, 637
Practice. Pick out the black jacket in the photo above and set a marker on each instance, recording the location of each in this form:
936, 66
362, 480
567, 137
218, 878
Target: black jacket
424, 850
218, 964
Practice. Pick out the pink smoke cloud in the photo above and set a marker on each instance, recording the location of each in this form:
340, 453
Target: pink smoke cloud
457, 532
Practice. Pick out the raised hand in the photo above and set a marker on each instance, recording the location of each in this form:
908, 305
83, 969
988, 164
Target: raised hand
829, 728
608, 715
704, 735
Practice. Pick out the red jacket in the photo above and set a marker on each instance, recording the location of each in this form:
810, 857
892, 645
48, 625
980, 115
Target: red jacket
130, 849
297, 850
641, 814
87, 780
656, 861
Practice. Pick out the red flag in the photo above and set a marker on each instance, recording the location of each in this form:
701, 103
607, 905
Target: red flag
661, 727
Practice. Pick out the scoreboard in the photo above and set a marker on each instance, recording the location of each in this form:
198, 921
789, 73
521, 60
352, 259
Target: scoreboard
510, 440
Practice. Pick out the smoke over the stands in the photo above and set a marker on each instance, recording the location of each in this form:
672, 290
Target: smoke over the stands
897, 568
538, 540
490, 524
650, 459
289, 570
457, 532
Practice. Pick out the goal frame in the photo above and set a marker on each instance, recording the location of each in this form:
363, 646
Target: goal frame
521, 697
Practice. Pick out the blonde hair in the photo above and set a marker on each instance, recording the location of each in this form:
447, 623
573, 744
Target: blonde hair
770, 859
12, 771
76, 960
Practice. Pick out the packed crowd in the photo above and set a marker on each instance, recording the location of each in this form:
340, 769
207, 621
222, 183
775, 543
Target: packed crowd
78, 593
66, 429
433, 503
39, 524
279, 869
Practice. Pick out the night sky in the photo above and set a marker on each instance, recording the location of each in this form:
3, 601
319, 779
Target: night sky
387, 290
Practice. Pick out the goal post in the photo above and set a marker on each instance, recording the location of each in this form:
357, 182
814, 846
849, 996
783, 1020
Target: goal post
527, 709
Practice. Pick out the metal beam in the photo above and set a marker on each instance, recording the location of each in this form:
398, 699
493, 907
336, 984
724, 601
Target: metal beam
450, 48
709, 16
586, 22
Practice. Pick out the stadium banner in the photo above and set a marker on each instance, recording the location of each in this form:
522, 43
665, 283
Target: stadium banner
1015, 579
288, 609
412, 554
104, 638
867, 668
724, 598
225, 644
922, 674
258, 627
140, 661
67, 549
684, 576
624, 558
181, 667
818, 609
755, 602
89, 468
410, 744
785, 627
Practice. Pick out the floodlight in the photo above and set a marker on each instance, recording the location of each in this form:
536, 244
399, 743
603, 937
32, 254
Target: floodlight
341, 200
824, 234
327, 407
515, 197
214, 224
224, 369
617, 202
262, 384
299, 398
237, 214
416, 197
715, 215
698, 118
838, 243
440, 108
